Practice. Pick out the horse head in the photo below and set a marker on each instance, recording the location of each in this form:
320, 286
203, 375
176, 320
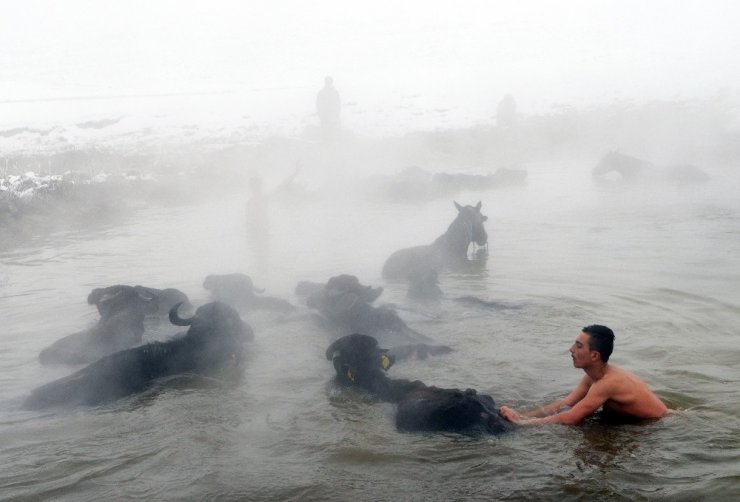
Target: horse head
473, 220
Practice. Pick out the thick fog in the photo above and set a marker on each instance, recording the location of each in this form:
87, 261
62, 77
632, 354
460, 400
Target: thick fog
208, 95
393, 63
593, 147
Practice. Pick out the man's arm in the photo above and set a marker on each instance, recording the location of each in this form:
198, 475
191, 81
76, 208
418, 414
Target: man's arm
596, 396
542, 411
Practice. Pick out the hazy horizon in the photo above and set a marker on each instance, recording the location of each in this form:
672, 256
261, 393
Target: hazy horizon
415, 62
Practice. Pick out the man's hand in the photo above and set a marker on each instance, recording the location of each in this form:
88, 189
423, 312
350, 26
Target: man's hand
510, 414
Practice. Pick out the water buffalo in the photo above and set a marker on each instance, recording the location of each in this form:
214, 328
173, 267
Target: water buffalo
346, 306
123, 310
619, 169
360, 362
166, 299
214, 340
121, 325
238, 291
415, 184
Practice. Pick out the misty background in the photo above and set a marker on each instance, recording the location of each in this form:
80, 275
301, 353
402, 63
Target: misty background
158, 115
255, 67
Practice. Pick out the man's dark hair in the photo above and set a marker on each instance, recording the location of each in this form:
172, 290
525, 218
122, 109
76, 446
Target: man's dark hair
601, 339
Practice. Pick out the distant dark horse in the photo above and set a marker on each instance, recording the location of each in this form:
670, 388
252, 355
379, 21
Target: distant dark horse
448, 251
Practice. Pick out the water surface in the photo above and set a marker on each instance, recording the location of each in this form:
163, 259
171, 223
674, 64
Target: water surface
659, 266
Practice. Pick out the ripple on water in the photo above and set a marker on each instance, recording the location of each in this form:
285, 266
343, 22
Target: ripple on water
285, 431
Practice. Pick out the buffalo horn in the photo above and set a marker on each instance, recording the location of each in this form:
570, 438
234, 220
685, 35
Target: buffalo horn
176, 319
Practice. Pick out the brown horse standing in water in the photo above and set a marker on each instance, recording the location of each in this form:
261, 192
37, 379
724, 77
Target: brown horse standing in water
448, 251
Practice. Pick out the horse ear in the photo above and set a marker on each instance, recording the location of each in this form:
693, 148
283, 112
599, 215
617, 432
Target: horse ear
458, 206
479, 205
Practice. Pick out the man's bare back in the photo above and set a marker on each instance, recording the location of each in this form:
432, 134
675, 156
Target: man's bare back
603, 385
628, 394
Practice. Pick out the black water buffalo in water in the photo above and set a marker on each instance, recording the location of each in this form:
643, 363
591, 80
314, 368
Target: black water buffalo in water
448, 251
123, 310
121, 325
213, 341
238, 291
414, 184
166, 299
346, 306
359, 361
618, 169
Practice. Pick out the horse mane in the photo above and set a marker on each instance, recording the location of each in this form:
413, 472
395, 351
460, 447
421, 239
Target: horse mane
460, 230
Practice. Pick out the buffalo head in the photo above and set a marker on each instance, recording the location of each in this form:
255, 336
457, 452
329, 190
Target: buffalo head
230, 287
120, 298
357, 359
213, 319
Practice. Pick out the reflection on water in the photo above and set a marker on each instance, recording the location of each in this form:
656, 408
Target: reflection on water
660, 272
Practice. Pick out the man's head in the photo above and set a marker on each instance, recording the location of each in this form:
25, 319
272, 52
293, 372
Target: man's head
601, 340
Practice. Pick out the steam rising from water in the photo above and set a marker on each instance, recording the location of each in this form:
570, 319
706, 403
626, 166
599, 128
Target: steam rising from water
205, 96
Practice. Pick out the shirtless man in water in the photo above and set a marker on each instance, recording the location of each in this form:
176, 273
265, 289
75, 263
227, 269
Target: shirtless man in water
617, 390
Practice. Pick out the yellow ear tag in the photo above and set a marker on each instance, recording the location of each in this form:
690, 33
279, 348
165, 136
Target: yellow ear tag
350, 375
385, 361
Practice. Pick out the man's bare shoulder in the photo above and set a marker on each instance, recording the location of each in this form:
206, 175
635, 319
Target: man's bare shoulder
617, 374
616, 378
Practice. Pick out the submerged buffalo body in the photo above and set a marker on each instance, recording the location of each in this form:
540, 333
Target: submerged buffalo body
346, 305
454, 410
214, 339
359, 361
619, 169
238, 291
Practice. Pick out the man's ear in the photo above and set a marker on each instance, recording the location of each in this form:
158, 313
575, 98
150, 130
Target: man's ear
595, 355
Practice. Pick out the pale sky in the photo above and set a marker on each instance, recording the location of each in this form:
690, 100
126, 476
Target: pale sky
544, 52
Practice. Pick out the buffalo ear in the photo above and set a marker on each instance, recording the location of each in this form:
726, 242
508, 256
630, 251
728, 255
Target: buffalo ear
458, 206
479, 205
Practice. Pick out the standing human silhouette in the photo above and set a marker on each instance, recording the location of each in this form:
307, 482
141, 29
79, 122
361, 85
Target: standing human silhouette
258, 226
328, 107
506, 113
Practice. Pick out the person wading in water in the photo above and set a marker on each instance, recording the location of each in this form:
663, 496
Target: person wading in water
604, 385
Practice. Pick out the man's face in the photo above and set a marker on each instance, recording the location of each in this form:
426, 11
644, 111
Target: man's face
581, 352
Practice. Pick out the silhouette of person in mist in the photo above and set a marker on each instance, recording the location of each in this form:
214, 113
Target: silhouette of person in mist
506, 115
328, 107
258, 223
